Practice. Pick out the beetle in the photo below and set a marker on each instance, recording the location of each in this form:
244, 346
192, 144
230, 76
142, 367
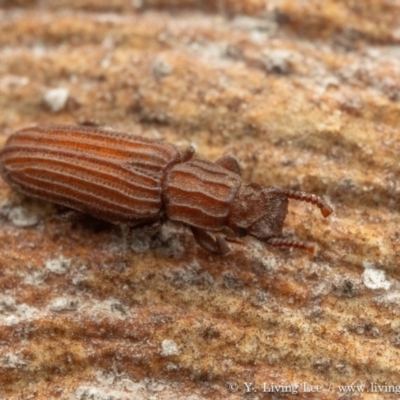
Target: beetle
135, 181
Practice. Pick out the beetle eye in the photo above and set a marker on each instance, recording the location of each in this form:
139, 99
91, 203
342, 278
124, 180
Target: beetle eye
241, 232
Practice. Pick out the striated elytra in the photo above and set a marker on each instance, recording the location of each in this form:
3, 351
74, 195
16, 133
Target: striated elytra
135, 181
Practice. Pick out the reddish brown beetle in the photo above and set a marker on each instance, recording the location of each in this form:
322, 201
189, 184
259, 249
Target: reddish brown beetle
135, 181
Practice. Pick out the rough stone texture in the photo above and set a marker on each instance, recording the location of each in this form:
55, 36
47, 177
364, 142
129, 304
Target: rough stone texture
307, 95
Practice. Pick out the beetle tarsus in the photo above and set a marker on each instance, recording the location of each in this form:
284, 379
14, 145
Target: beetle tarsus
69, 215
207, 242
222, 245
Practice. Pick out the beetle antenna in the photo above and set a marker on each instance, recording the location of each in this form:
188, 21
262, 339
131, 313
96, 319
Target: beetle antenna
310, 198
281, 242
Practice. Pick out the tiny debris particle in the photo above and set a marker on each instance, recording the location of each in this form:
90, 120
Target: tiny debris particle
85, 392
58, 265
161, 68
250, 24
56, 99
63, 304
141, 242
230, 282
12, 361
154, 386
345, 287
322, 364
341, 368
35, 277
22, 218
7, 304
169, 348
365, 328
396, 340
172, 367
117, 307
277, 61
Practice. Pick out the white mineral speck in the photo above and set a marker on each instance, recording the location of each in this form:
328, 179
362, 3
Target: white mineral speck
58, 265
22, 218
161, 68
169, 348
7, 304
63, 304
56, 99
141, 242
12, 361
375, 279
278, 61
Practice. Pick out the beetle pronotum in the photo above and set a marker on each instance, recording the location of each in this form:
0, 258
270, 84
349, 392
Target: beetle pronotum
135, 181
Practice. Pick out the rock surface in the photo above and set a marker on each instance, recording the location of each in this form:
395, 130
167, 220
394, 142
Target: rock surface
306, 95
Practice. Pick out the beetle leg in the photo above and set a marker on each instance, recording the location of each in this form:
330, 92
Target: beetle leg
207, 242
282, 242
155, 226
69, 215
127, 230
222, 245
230, 163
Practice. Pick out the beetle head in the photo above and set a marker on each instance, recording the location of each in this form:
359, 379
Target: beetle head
258, 211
